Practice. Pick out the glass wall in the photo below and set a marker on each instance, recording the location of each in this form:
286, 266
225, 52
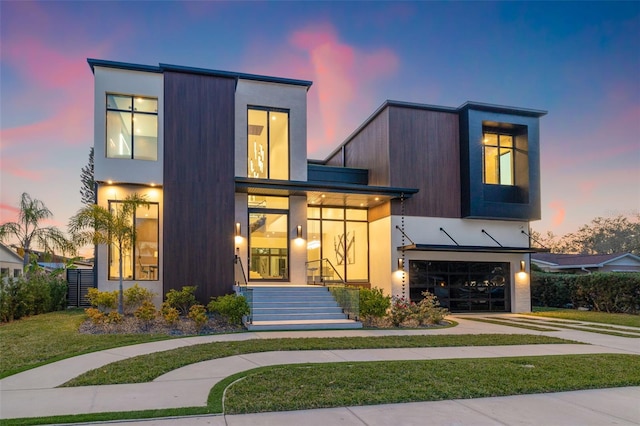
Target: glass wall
268, 238
268, 143
462, 286
132, 127
341, 236
140, 261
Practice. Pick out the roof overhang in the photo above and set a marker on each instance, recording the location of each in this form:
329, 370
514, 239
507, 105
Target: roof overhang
329, 194
468, 249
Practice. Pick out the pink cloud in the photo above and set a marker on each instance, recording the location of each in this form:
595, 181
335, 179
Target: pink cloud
342, 74
559, 212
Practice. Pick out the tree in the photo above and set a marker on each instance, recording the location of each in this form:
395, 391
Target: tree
606, 236
88, 189
98, 225
28, 230
601, 236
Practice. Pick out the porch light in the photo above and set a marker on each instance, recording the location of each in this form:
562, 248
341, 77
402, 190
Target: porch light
522, 266
238, 234
299, 231
400, 264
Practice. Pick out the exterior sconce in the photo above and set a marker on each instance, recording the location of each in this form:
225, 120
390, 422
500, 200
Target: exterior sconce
299, 231
238, 234
400, 264
522, 266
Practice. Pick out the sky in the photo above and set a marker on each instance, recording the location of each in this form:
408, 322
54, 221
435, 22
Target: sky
580, 61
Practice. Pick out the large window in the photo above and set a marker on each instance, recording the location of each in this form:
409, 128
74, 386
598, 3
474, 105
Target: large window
139, 262
132, 127
462, 286
268, 143
341, 236
268, 238
499, 158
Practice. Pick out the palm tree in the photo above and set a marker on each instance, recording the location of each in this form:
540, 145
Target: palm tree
27, 230
98, 225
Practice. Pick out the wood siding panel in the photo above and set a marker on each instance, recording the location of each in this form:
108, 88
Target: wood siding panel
369, 149
424, 150
198, 183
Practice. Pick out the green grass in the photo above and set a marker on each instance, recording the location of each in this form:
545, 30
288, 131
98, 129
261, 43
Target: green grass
509, 323
296, 387
595, 328
145, 368
46, 338
589, 316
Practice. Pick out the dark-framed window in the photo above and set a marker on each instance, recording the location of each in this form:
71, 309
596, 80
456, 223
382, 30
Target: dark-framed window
141, 260
340, 235
499, 157
267, 143
132, 127
268, 238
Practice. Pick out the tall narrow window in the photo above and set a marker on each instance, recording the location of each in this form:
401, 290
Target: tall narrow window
499, 156
132, 127
268, 238
141, 260
268, 143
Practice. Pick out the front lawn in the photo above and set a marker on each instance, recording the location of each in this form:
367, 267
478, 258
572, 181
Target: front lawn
588, 316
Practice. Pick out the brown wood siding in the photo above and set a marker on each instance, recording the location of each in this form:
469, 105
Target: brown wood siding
378, 212
198, 183
424, 151
369, 149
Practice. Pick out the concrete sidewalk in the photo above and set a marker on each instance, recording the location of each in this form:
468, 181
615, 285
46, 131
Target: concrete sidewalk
34, 394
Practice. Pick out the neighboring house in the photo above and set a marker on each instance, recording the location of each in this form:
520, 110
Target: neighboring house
587, 263
11, 264
418, 198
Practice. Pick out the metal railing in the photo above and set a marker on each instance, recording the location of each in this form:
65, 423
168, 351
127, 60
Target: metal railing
240, 278
322, 272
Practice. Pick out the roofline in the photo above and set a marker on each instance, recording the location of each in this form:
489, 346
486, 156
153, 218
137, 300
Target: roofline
502, 109
161, 68
467, 105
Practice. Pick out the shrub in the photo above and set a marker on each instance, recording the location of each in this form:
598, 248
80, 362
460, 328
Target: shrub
373, 303
114, 317
103, 300
551, 289
95, 315
198, 314
231, 307
428, 310
135, 296
401, 310
170, 315
36, 293
146, 311
182, 300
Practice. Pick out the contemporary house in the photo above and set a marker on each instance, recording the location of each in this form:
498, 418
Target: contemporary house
586, 263
419, 197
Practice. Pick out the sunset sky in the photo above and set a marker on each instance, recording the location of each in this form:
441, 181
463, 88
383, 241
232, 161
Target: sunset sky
580, 61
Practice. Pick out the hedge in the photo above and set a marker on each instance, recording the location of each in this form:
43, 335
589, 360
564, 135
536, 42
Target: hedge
614, 292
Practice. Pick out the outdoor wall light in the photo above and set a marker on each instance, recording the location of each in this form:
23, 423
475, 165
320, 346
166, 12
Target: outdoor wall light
238, 234
400, 264
299, 231
522, 266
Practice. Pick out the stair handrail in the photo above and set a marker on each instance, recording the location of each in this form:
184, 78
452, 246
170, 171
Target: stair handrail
239, 268
322, 276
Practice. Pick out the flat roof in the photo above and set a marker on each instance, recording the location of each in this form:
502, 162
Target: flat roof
160, 68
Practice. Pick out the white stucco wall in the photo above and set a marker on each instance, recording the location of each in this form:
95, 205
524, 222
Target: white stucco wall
119, 192
385, 238
273, 95
110, 80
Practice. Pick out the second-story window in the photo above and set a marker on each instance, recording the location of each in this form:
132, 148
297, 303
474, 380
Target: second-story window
132, 127
499, 158
268, 143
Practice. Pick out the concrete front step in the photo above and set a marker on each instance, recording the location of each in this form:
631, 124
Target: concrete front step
303, 325
296, 308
